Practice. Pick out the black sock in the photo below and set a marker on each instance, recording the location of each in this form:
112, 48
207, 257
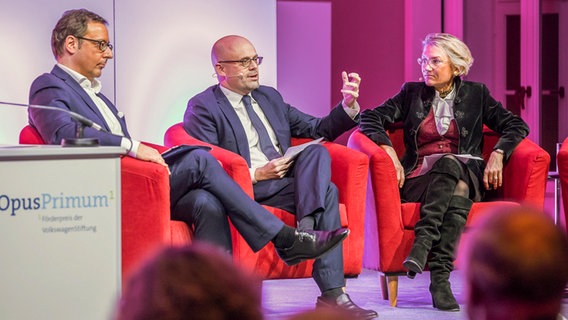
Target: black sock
332, 293
307, 223
284, 238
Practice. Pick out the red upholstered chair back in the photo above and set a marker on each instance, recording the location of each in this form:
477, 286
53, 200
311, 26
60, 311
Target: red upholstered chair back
29, 135
524, 181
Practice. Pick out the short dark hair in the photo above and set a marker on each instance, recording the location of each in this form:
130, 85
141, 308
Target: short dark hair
72, 23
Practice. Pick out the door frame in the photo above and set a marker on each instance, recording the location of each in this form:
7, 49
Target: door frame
530, 12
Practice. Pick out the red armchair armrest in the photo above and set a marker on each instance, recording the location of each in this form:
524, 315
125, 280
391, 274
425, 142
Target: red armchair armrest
525, 174
235, 165
384, 196
145, 210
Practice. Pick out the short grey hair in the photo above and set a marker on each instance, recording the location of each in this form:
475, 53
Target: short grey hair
457, 50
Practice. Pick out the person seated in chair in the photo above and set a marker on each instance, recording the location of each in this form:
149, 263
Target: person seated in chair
240, 115
443, 117
515, 267
201, 193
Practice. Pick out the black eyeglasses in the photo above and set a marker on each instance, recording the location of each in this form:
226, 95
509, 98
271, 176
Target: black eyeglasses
245, 62
101, 44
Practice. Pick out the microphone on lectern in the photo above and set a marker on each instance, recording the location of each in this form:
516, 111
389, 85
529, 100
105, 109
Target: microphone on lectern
82, 122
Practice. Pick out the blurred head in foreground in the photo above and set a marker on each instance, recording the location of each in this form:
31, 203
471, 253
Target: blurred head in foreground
194, 282
516, 267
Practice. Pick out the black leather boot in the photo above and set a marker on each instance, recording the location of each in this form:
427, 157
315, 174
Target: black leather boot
443, 179
442, 254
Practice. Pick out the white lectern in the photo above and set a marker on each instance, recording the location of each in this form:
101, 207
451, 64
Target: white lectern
60, 251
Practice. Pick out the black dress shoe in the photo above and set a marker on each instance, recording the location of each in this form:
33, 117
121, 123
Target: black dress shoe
311, 245
345, 304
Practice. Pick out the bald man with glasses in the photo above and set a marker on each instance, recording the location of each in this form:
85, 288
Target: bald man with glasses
252, 120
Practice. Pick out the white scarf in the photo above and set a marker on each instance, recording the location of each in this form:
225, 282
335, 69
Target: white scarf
443, 111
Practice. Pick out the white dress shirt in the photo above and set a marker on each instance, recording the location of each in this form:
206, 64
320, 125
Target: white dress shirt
257, 157
443, 111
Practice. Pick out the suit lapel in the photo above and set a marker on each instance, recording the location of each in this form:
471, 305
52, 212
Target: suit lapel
234, 122
58, 72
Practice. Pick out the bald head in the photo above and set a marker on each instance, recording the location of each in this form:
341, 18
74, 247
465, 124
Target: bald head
517, 257
228, 47
236, 64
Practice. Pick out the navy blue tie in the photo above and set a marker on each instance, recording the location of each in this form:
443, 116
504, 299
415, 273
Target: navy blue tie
264, 140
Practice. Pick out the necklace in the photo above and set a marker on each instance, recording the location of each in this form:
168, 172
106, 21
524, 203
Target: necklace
444, 94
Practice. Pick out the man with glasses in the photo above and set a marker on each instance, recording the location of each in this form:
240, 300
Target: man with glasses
253, 121
201, 193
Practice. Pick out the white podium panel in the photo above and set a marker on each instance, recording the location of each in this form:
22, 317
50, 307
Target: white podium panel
60, 253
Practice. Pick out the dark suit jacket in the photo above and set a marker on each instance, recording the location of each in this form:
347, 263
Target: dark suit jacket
211, 118
59, 89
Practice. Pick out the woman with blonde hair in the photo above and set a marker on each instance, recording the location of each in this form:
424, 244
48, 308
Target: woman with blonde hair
443, 117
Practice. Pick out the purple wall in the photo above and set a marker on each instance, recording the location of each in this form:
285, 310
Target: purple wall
368, 38
317, 40
304, 55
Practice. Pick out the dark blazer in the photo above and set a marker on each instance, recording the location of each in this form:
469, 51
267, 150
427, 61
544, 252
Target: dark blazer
473, 108
59, 89
211, 118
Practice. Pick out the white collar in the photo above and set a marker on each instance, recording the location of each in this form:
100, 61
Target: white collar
233, 97
94, 86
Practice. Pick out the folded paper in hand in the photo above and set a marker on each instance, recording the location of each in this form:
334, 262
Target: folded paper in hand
294, 151
429, 161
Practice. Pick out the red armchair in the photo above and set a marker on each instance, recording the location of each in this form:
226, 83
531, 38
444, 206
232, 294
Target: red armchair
524, 181
145, 196
562, 167
349, 173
